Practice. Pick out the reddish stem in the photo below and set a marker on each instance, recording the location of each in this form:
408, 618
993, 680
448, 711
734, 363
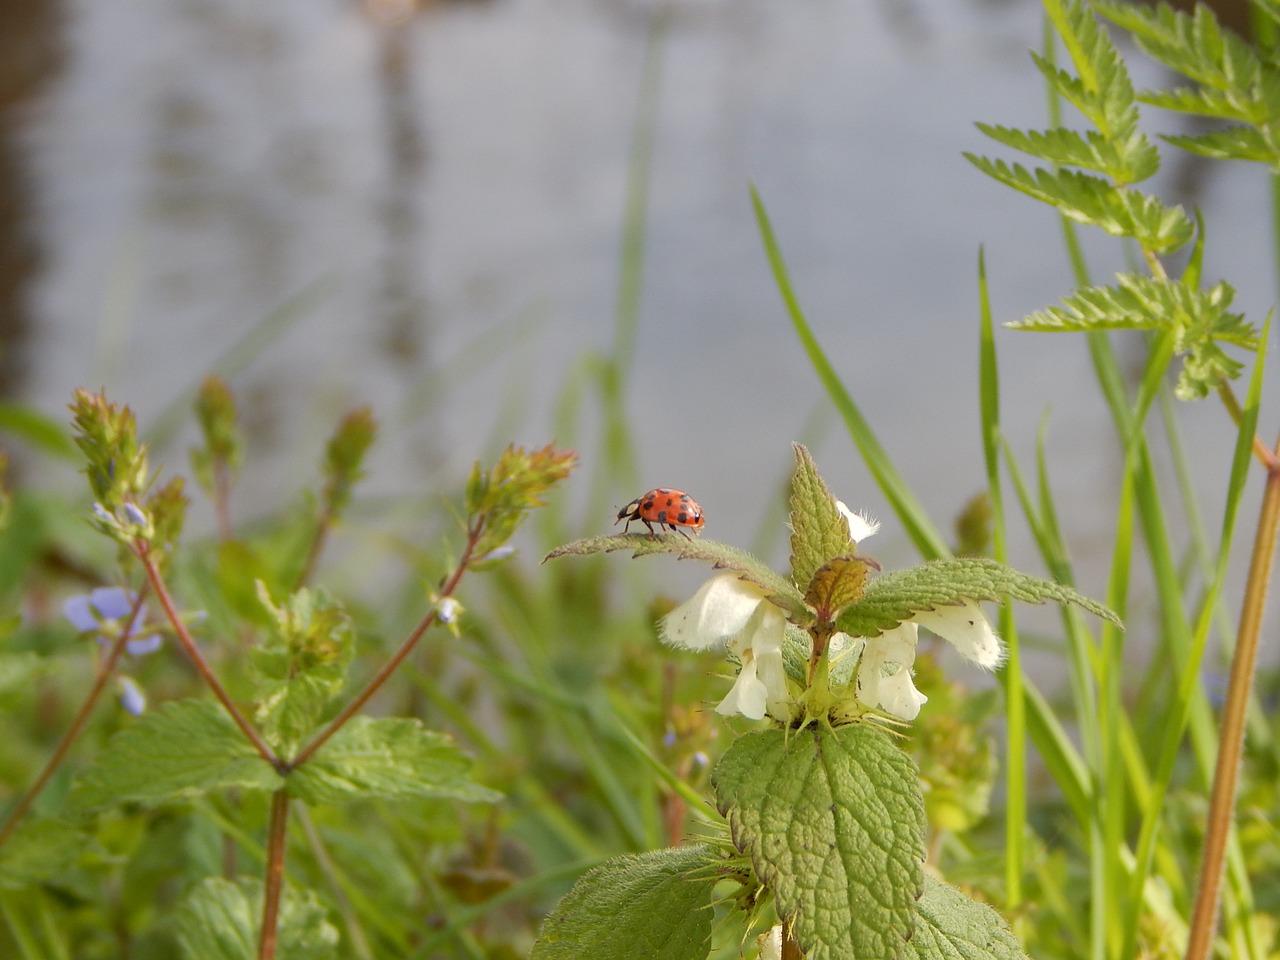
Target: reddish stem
274, 874
381, 677
1204, 917
197, 659
105, 670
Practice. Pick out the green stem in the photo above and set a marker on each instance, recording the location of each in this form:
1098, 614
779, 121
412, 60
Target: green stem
1231, 744
105, 671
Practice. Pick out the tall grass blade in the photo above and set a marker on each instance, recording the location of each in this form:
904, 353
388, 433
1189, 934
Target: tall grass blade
908, 510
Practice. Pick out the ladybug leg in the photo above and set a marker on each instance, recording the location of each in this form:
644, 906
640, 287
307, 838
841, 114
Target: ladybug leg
649, 525
683, 534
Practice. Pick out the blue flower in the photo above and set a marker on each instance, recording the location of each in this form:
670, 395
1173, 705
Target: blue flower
131, 696
103, 611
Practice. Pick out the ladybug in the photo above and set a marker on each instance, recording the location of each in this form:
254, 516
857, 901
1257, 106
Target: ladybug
666, 508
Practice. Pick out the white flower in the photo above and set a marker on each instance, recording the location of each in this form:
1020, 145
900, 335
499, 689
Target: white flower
884, 674
860, 527
770, 944
729, 611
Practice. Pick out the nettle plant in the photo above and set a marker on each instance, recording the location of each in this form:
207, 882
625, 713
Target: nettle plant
297, 739
822, 845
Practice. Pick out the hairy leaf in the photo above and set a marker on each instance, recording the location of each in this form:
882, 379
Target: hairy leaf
951, 926
182, 749
782, 592
636, 907
221, 920
819, 532
895, 597
838, 583
834, 824
301, 664
1091, 200
392, 757
39, 849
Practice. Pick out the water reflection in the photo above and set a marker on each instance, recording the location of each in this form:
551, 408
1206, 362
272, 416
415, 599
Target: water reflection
30, 56
452, 178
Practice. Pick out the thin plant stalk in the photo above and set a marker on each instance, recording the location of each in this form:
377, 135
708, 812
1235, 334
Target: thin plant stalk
274, 875
388, 668
105, 671
1231, 743
197, 659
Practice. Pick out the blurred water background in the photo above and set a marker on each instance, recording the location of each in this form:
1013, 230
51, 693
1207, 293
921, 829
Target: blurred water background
422, 209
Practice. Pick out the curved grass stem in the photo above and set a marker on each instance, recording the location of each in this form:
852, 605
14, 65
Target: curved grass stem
1231, 742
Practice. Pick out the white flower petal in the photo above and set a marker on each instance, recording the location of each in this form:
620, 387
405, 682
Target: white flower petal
967, 629
884, 675
719, 610
749, 696
770, 944
766, 649
860, 527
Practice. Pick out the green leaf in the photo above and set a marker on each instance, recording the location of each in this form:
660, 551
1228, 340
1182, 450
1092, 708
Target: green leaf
819, 532
182, 749
896, 597
301, 665
220, 920
18, 670
837, 584
951, 925
1197, 318
39, 849
636, 907
834, 824
1233, 143
721, 556
396, 758
1106, 92
1130, 161
1137, 302
38, 429
1195, 46
1087, 199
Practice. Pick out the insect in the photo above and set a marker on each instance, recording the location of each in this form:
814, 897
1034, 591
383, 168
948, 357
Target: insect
666, 508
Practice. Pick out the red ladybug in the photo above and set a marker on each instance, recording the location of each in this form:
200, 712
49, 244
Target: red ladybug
666, 508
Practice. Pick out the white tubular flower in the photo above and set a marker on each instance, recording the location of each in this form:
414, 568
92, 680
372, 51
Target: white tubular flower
733, 612
860, 527
719, 610
761, 686
884, 675
770, 944
967, 629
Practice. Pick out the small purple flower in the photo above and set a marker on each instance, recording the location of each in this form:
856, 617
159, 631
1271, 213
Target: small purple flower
131, 696
135, 514
89, 612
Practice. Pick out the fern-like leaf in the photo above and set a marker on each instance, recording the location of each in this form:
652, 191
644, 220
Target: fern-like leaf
1196, 46
1108, 99
1129, 161
1091, 200
1233, 143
